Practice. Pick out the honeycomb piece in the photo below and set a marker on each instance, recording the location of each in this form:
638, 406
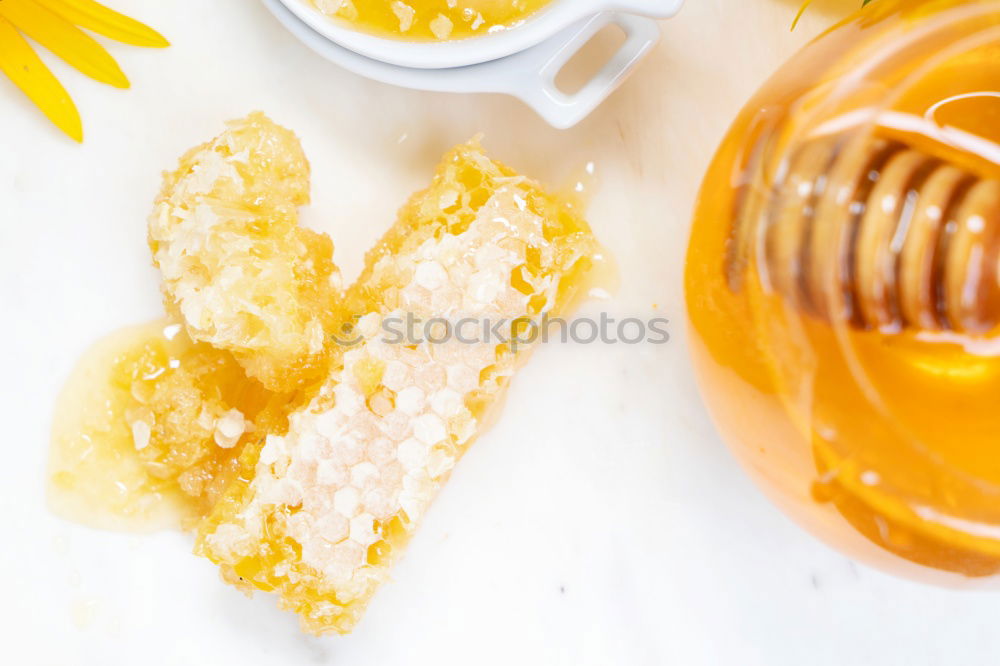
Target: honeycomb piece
150, 428
191, 409
237, 268
320, 514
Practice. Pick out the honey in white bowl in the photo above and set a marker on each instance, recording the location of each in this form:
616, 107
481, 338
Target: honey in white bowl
431, 20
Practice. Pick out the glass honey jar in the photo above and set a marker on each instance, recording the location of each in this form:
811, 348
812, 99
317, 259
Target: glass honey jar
843, 287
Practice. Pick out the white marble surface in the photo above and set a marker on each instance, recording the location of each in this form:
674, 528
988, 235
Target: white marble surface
601, 522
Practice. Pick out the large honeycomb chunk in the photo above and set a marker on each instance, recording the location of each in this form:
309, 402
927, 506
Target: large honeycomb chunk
320, 513
237, 268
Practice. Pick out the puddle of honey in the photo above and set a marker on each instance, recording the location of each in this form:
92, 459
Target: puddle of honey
97, 474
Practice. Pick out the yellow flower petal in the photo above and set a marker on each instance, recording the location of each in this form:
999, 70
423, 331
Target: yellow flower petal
98, 18
802, 10
65, 40
29, 73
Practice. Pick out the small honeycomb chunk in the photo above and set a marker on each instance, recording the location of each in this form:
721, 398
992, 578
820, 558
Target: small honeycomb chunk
237, 268
190, 410
151, 426
320, 513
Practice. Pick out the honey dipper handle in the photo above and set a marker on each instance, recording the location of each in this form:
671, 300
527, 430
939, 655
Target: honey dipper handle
545, 61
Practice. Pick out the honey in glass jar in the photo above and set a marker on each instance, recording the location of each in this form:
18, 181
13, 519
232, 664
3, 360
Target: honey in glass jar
843, 287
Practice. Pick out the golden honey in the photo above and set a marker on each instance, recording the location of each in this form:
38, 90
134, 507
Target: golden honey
431, 20
843, 284
149, 428
210, 420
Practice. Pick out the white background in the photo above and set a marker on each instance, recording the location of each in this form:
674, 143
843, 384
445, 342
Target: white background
601, 522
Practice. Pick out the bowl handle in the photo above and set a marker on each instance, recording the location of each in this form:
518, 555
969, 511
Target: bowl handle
653, 8
544, 62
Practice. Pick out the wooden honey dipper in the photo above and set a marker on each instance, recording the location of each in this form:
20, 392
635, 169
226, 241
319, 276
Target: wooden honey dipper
881, 236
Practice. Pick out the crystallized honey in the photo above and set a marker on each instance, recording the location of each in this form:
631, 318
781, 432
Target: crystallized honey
434, 20
843, 283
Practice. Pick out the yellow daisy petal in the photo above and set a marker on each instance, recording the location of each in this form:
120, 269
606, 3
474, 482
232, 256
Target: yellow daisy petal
98, 18
65, 40
802, 10
29, 73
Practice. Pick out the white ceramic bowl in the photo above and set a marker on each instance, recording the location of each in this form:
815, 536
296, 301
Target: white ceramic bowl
537, 28
522, 62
